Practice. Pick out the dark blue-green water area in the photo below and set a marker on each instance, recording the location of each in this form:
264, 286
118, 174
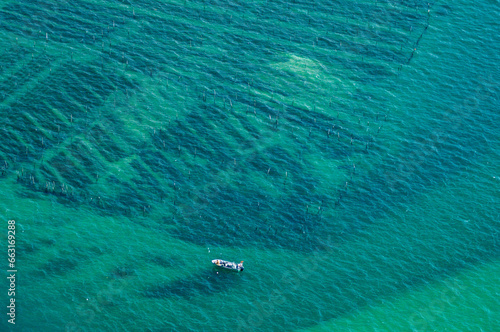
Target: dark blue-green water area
276, 131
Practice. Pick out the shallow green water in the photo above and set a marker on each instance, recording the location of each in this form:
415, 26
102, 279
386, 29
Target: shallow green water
346, 151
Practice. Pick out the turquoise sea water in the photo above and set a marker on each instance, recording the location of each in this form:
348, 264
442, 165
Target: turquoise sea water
347, 151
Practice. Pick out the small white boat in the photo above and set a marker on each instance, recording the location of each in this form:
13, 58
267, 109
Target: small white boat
228, 265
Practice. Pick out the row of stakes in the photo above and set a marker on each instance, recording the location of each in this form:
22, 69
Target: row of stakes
113, 26
65, 190
179, 147
50, 187
328, 132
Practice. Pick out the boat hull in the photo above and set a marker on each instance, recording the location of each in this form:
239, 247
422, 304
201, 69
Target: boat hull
228, 265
